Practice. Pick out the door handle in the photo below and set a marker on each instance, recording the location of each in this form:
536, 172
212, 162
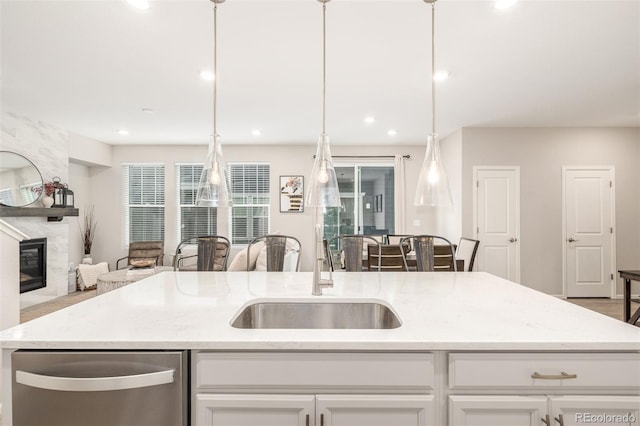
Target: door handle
572, 240
560, 420
546, 420
560, 376
94, 384
513, 240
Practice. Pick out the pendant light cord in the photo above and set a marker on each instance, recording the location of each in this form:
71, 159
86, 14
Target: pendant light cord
215, 69
324, 66
433, 68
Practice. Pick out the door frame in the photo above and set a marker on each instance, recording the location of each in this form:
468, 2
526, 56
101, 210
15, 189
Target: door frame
563, 236
516, 170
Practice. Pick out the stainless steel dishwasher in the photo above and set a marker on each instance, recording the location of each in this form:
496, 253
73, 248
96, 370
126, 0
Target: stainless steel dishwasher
87, 388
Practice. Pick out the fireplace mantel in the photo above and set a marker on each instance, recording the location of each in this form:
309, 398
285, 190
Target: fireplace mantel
53, 214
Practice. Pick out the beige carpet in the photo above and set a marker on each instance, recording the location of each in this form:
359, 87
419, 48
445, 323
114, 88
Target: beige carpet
35, 311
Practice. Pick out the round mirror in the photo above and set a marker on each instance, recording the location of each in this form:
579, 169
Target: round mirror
20, 180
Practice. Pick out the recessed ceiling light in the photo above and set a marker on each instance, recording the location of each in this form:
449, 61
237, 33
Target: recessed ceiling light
147, 110
441, 75
123, 132
504, 4
207, 75
392, 132
369, 120
256, 132
139, 4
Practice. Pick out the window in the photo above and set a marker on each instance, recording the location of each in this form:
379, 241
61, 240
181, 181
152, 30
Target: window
250, 186
143, 189
192, 221
367, 192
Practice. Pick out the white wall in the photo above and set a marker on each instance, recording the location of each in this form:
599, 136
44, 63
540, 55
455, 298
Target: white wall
284, 160
541, 153
80, 182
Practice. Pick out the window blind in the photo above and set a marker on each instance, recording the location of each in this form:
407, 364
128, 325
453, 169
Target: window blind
143, 201
250, 185
193, 221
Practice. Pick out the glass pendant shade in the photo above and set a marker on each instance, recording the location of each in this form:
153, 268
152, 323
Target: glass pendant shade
323, 187
212, 189
433, 183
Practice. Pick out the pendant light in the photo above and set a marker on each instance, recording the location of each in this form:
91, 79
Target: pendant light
323, 187
212, 188
433, 184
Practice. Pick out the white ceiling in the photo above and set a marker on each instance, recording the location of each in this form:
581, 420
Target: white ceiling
91, 66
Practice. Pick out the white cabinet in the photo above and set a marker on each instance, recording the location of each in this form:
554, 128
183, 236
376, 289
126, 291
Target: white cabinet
313, 389
253, 410
496, 410
311, 410
565, 410
553, 389
595, 410
375, 410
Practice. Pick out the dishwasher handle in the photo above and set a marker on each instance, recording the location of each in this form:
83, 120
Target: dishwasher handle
94, 384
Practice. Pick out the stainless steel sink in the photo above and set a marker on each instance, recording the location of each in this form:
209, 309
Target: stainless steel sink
316, 314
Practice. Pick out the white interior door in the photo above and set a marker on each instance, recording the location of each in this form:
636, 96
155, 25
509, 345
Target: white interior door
497, 220
588, 206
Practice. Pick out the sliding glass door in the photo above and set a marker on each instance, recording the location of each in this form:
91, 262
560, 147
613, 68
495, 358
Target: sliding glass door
367, 195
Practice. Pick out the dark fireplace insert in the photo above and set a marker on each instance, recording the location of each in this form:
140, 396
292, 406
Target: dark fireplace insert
33, 264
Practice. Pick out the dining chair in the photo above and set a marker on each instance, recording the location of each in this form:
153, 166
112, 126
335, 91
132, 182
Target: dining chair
203, 253
352, 248
387, 258
397, 238
276, 253
466, 251
430, 256
143, 253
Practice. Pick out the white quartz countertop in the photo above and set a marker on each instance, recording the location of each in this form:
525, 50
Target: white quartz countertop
439, 311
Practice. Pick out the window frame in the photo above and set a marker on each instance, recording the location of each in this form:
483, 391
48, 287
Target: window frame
266, 205
126, 205
179, 205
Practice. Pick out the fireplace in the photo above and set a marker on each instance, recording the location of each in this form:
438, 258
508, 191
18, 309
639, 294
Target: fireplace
33, 264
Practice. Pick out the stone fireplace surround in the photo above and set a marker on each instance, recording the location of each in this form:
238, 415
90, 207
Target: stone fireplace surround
48, 148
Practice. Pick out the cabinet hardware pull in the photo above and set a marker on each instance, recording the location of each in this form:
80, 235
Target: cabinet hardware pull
560, 376
321, 419
560, 420
546, 420
307, 421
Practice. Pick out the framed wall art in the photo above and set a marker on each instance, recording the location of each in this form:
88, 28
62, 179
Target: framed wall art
291, 194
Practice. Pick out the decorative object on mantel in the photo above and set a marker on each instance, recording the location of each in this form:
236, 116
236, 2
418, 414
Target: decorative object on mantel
47, 201
62, 195
58, 192
88, 233
20, 180
49, 189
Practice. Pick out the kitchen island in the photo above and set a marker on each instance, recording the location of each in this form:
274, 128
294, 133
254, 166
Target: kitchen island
468, 343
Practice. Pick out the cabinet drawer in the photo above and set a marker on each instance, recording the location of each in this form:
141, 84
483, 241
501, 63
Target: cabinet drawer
275, 371
544, 370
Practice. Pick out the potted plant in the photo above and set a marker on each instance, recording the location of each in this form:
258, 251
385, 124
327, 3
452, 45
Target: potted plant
87, 232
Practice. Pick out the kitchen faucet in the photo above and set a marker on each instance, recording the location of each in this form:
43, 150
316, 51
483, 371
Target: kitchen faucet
318, 282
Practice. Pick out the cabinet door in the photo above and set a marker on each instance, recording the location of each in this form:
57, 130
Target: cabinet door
497, 410
595, 410
252, 410
375, 410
